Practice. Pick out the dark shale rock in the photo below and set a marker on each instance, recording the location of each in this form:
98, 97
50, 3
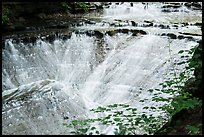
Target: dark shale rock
163, 34
41, 16
123, 30
146, 21
136, 32
180, 37
118, 20
98, 7
21, 19
66, 35
98, 34
133, 23
145, 25
189, 37
171, 6
166, 10
190, 34
142, 32
163, 26
51, 38
193, 5
196, 4
185, 24
171, 35
112, 32
107, 3
176, 26
170, 10
198, 24
88, 33
90, 22
150, 25
187, 4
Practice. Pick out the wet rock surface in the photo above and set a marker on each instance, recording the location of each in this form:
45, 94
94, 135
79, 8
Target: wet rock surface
54, 103
50, 107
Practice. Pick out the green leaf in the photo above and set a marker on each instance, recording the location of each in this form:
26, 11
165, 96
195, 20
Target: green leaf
145, 107
97, 132
181, 51
193, 130
119, 124
74, 122
164, 86
152, 107
180, 63
125, 105
117, 119
104, 122
92, 128
150, 90
112, 106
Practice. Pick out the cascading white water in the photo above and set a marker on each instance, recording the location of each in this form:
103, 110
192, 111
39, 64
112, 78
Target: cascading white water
46, 85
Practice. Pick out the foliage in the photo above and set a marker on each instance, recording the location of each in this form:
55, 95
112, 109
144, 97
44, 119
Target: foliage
5, 15
69, 7
66, 7
5, 20
184, 100
124, 118
193, 129
82, 5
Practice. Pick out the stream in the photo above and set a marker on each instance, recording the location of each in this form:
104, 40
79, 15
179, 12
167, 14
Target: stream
113, 57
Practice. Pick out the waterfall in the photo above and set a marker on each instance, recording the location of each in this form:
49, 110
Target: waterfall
47, 84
